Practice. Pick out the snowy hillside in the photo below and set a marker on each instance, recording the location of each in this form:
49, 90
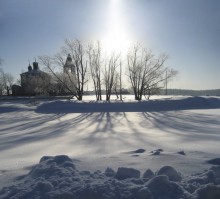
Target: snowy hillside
127, 137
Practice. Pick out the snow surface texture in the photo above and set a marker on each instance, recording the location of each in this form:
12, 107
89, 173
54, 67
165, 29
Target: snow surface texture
57, 177
182, 132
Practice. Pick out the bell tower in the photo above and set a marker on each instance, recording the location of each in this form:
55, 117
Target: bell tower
69, 66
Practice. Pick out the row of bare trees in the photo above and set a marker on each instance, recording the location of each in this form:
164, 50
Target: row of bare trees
142, 68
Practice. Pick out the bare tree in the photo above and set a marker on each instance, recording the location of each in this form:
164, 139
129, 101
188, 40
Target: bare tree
145, 71
1, 79
109, 74
170, 73
94, 56
68, 75
1, 85
58, 79
76, 49
6, 81
73, 77
118, 82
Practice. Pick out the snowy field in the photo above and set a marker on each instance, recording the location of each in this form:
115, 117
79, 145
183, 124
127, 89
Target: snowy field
126, 137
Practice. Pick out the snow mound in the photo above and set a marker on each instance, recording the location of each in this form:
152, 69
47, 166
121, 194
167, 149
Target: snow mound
186, 103
148, 174
138, 151
171, 173
210, 191
56, 177
216, 170
156, 152
215, 161
161, 187
181, 153
124, 173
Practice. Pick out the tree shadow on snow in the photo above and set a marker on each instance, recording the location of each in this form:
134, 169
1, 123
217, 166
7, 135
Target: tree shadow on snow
98, 130
189, 126
99, 122
33, 128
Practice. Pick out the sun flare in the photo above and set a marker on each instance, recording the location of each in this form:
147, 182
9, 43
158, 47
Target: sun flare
116, 38
116, 42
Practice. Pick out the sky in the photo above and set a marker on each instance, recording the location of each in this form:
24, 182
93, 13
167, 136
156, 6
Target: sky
187, 30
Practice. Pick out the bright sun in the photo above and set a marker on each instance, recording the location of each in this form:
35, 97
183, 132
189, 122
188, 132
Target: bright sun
116, 38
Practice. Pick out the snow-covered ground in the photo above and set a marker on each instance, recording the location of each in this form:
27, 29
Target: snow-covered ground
181, 132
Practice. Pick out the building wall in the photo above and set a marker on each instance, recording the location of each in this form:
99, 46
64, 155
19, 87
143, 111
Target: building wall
35, 84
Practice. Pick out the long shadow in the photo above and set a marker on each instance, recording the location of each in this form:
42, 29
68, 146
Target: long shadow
140, 136
103, 117
105, 134
8, 109
189, 103
191, 127
29, 129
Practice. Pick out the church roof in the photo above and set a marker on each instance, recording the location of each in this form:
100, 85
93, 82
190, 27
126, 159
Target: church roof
35, 71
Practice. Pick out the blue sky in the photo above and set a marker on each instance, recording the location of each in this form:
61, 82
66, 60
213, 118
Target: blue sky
187, 30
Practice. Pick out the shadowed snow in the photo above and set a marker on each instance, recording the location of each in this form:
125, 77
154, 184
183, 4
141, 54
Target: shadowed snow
57, 177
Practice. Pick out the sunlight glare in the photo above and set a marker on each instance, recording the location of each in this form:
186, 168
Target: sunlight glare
116, 38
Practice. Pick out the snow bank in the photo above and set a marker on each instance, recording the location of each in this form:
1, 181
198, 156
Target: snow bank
167, 104
57, 177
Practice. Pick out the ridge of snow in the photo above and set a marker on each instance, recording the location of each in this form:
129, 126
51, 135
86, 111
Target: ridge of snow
57, 177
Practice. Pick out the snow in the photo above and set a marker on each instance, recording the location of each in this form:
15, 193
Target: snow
58, 177
171, 141
171, 173
124, 173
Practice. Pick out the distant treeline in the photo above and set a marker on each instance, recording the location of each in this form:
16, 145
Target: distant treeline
215, 92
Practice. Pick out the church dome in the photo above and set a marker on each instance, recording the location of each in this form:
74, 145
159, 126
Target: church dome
35, 65
29, 68
69, 57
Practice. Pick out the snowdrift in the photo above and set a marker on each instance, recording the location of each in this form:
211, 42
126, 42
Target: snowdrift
57, 177
167, 104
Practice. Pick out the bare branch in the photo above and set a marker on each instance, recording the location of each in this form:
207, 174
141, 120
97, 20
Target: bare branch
145, 71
